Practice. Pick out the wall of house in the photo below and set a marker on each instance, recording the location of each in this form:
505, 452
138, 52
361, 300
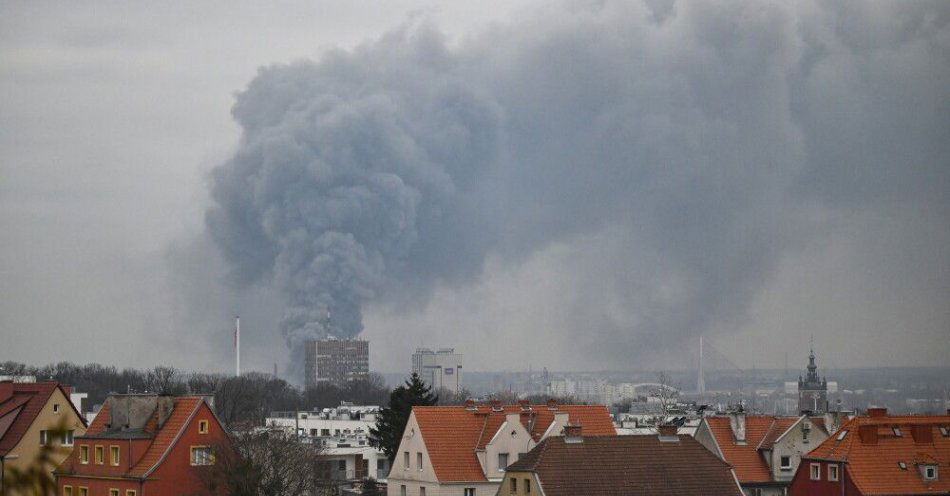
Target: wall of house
394, 488
23, 454
705, 437
176, 475
763, 491
512, 438
522, 488
794, 444
802, 485
99, 487
412, 474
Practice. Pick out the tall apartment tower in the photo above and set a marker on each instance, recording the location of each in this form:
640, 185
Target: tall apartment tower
441, 369
336, 361
812, 390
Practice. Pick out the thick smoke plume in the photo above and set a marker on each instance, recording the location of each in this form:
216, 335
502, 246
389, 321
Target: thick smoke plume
704, 140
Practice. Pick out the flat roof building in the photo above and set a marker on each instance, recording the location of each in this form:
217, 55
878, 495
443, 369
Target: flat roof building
336, 361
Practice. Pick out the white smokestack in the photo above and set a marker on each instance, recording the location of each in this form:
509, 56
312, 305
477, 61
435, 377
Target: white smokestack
237, 346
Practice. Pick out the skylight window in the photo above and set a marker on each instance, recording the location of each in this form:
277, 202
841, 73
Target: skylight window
944, 431
902, 465
842, 435
896, 430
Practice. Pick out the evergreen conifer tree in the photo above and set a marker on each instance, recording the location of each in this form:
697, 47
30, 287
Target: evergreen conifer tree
392, 420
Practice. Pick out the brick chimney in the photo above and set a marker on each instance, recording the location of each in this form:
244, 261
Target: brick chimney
573, 434
552, 404
737, 424
868, 433
668, 433
877, 412
922, 433
6, 390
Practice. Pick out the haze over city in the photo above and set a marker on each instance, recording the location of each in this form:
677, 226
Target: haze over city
571, 185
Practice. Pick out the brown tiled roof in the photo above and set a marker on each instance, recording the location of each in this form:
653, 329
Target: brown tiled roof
616, 465
452, 433
873, 467
19, 411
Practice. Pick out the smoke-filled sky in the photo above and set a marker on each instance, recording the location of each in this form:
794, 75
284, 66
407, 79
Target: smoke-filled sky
577, 185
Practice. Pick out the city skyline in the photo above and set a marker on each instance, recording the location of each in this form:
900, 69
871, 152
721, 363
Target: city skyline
584, 186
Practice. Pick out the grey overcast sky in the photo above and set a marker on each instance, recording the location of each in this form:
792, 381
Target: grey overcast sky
577, 185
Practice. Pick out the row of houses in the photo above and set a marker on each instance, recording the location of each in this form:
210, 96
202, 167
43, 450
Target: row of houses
146, 443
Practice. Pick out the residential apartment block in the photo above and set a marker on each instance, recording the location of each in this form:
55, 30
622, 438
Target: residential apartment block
441, 369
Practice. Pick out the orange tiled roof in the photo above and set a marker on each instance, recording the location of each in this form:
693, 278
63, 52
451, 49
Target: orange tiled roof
761, 432
185, 408
873, 467
162, 440
452, 434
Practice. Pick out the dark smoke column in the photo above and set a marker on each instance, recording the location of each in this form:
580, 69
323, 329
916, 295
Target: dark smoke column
343, 185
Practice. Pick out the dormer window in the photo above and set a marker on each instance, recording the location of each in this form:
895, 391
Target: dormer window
929, 472
944, 431
897, 431
842, 435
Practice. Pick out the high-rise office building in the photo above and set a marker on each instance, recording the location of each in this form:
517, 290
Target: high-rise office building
441, 369
336, 361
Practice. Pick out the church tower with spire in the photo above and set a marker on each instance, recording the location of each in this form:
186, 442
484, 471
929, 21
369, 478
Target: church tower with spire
812, 390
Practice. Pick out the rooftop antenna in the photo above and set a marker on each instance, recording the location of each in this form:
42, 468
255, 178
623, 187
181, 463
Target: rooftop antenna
237, 346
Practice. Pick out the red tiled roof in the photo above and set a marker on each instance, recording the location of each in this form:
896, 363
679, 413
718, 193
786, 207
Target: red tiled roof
452, 434
161, 441
20, 410
761, 432
628, 465
873, 467
185, 408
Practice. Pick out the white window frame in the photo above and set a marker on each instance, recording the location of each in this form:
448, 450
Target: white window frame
419, 460
783, 466
833, 469
405, 460
44, 438
68, 438
502, 466
928, 468
469, 491
815, 472
201, 456
56, 408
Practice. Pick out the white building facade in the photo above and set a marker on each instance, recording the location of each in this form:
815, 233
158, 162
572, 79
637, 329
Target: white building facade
441, 369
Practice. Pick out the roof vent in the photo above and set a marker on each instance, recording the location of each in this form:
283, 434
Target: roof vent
496, 406
524, 405
470, 405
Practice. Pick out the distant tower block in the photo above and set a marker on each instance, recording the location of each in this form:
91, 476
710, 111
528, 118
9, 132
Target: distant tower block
812, 390
336, 361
